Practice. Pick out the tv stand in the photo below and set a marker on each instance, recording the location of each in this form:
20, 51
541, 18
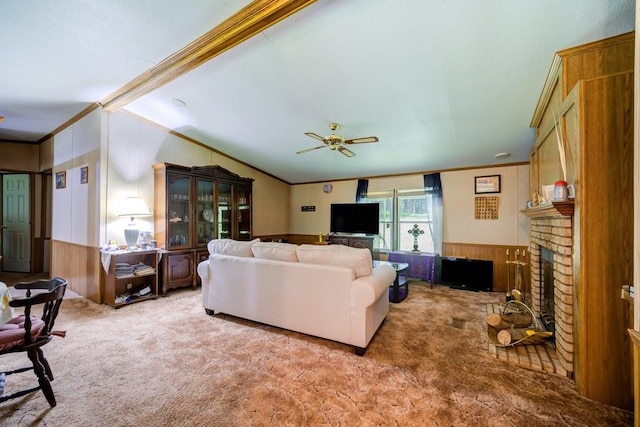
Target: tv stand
353, 241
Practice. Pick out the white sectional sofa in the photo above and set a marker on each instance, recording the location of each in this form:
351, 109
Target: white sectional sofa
331, 291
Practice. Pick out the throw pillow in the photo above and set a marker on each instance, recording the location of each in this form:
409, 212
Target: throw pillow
231, 247
275, 250
358, 259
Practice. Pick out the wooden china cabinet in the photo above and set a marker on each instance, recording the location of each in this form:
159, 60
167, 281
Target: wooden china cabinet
193, 205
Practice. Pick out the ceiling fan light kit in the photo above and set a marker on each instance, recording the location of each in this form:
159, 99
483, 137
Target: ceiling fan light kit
337, 142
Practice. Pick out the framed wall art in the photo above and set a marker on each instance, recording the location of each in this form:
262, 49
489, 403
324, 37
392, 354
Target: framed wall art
84, 175
487, 184
61, 179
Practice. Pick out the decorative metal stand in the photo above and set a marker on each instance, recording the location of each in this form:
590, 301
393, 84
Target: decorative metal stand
415, 232
519, 262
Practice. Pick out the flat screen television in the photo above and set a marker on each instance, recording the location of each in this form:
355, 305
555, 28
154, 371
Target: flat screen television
470, 274
355, 218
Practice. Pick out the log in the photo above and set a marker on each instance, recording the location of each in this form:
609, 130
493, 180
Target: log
509, 320
510, 336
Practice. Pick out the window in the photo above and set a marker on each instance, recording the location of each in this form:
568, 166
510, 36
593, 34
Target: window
399, 211
385, 200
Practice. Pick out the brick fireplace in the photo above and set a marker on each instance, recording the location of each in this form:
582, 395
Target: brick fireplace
555, 234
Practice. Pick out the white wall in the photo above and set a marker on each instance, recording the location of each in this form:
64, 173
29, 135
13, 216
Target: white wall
132, 145
75, 208
312, 195
87, 214
511, 227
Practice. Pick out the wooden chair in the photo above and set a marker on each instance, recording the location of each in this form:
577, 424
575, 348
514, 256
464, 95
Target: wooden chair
28, 333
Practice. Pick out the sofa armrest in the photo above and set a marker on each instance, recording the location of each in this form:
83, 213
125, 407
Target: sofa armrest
367, 290
203, 270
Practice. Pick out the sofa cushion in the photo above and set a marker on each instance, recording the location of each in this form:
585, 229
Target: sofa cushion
275, 250
231, 247
358, 259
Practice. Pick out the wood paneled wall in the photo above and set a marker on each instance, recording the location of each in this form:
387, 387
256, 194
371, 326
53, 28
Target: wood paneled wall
80, 265
497, 254
19, 157
635, 342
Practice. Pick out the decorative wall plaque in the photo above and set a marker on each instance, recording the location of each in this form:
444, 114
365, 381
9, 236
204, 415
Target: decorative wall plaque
486, 208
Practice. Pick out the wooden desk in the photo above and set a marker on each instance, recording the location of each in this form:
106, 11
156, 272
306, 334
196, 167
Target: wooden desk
422, 265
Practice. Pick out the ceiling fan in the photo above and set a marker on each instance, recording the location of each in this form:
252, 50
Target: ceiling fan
337, 142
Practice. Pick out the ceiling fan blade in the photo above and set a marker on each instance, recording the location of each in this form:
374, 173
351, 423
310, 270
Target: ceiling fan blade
314, 135
346, 151
361, 140
311, 149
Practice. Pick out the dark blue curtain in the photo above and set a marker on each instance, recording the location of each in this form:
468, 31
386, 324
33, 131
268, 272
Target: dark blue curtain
361, 192
433, 185
433, 194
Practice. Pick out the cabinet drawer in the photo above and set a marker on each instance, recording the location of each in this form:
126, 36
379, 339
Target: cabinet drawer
340, 241
178, 270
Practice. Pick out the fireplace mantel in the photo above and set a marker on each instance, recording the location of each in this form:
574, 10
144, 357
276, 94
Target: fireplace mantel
553, 209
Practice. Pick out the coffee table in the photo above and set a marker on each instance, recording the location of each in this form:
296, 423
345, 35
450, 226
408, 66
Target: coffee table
399, 290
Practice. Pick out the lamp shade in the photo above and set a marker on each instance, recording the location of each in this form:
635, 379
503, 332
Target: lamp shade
134, 207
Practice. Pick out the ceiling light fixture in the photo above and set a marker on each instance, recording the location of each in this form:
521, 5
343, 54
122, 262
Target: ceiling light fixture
502, 156
179, 102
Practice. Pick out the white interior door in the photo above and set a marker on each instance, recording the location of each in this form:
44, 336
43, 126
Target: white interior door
16, 223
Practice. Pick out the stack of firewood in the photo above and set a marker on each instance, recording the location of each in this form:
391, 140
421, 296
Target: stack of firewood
515, 327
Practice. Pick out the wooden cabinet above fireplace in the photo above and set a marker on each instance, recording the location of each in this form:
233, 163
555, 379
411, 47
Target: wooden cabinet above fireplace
588, 101
594, 60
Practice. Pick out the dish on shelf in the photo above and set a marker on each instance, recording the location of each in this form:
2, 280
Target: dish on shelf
173, 217
207, 214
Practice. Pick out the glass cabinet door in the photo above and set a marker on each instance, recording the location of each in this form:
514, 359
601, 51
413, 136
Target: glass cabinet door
179, 212
204, 212
224, 224
243, 198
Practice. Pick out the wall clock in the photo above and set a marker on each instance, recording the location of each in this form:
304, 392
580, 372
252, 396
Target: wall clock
327, 188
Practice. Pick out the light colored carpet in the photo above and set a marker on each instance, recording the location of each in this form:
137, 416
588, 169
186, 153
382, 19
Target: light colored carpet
166, 363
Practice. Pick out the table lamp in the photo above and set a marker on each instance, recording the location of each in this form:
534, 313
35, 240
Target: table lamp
133, 207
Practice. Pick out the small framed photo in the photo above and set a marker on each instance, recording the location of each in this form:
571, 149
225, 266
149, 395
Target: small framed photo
61, 179
487, 184
84, 175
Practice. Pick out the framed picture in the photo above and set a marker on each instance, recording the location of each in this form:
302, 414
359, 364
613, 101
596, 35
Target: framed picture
487, 184
61, 180
84, 174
